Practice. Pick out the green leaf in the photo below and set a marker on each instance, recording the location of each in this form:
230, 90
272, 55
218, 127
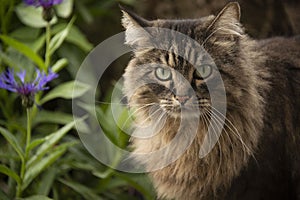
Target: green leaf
22, 48
7, 60
78, 38
5, 170
46, 182
38, 43
18, 61
34, 170
12, 141
139, 182
3, 196
66, 91
50, 141
25, 33
105, 174
35, 197
84, 191
59, 38
56, 117
59, 65
32, 16
65, 8
35, 143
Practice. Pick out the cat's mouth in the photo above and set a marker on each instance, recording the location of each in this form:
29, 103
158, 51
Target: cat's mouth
193, 109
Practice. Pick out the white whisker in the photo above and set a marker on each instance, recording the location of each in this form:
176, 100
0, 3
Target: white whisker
234, 130
137, 110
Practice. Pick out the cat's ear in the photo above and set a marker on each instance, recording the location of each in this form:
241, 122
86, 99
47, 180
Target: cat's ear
227, 22
134, 25
132, 20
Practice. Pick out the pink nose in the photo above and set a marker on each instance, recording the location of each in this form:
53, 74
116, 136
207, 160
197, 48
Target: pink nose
182, 99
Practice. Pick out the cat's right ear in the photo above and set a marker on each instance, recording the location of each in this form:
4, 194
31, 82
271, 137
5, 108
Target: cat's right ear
135, 34
130, 19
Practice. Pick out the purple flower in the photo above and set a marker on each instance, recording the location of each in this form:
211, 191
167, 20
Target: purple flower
27, 90
43, 3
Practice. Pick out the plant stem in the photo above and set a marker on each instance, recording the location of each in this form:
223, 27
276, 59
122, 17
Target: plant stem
28, 136
47, 51
24, 161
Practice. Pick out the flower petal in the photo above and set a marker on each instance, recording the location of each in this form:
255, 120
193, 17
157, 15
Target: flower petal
44, 79
31, 2
7, 81
22, 75
57, 2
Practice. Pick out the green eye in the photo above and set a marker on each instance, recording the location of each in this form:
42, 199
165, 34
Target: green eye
163, 74
203, 72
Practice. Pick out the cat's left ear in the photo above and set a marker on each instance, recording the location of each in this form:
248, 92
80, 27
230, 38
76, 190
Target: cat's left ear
228, 21
134, 25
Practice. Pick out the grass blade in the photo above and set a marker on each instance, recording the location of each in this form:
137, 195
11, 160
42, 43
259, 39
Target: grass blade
65, 91
59, 38
50, 141
12, 141
5, 170
45, 162
35, 197
35, 143
84, 191
22, 48
59, 65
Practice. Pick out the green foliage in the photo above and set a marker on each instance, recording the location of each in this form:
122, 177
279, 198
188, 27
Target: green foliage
24, 50
66, 91
31, 16
41, 156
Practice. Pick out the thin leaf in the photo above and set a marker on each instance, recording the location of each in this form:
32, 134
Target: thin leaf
38, 43
34, 170
59, 65
35, 143
55, 117
84, 191
5, 170
22, 48
13, 142
59, 38
78, 38
46, 182
35, 197
105, 174
65, 91
50, 141
139, 182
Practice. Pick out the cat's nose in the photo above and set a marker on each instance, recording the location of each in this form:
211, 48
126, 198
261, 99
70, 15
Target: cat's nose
182, 99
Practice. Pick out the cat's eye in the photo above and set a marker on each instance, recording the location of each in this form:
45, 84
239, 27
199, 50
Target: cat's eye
203, 71
163, 74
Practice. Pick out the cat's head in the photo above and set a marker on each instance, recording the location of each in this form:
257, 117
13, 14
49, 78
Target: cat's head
173, 82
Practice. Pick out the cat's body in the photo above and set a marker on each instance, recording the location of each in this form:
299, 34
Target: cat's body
256, 156
275, 174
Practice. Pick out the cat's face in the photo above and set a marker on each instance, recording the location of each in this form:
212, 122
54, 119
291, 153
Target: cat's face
170, 82
164, 78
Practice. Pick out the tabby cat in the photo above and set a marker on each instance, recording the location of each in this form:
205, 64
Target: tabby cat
257, 155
